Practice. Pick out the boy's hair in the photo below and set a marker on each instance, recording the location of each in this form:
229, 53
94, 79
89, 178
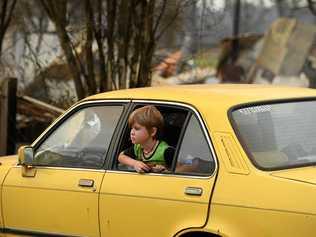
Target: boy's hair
147, 116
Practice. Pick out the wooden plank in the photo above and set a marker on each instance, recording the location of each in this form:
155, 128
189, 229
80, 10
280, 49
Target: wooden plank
40, 104
8, 116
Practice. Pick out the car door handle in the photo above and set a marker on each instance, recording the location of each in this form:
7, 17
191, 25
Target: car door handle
86, 183
194, 191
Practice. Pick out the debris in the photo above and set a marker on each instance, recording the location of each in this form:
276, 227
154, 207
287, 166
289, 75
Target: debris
31, 110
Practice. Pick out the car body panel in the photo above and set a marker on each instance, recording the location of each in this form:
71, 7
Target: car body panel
305, 175
261, 201
6, 163
158, 194
54, 201
230, 220
153, 200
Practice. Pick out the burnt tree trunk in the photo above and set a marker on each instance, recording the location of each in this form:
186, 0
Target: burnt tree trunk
136, 45
91, 83
148, 38
57, 10
124, 33
71, 59
111, 18
99, 37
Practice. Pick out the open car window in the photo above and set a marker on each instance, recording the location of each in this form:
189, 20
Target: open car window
183, 132
277, 136
82, 140
174, 120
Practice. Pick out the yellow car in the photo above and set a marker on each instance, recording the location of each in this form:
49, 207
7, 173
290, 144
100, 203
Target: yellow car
244, 165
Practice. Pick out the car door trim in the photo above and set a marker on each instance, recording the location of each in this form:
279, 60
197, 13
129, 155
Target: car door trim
64, 168
155, 198
160, 174
19, 232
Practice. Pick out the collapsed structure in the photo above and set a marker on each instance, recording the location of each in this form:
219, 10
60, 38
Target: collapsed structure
286, 54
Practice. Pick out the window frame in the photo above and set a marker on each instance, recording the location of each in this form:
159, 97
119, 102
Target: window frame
189, 118
71, 111
243, 143
192, 111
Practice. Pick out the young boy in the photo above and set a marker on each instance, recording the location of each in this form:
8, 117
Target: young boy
148, 153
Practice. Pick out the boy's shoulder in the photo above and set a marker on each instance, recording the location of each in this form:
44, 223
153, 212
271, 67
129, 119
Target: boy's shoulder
162, 142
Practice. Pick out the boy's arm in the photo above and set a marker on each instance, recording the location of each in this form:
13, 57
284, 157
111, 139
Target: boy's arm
168, 157
139, 166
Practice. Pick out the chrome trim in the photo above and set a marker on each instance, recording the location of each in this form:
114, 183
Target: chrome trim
65, 168
201, 123
27, 232
86, 183
159, 174
193, 191
73, 108
77, 190
155, 198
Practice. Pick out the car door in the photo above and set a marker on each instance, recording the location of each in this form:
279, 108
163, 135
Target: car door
62, 196
153, 204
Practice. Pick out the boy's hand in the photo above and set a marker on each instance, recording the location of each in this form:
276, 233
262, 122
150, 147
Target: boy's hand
141, 167
158, 168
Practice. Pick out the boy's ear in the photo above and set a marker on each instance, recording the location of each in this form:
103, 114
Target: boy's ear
153, 132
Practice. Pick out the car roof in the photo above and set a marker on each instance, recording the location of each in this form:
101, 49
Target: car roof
227, 94
212, 101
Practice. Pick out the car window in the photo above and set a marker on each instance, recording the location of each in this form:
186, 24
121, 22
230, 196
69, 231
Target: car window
194, 155
82, 140
280, 135
188, 154
173, 121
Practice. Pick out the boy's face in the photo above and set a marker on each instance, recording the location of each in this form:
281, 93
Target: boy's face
140, 134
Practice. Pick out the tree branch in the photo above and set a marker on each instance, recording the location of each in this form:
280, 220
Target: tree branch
9, 17
48, 9
164, 4
3, 13
179, 8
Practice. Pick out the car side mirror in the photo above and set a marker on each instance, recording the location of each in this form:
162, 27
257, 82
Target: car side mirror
26, 155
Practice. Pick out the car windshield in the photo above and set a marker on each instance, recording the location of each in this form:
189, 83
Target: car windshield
277, 136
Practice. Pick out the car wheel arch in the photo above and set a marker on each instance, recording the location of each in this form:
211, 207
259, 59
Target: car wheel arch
197, 234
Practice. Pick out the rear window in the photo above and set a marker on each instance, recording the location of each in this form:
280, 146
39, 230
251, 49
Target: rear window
279, 135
